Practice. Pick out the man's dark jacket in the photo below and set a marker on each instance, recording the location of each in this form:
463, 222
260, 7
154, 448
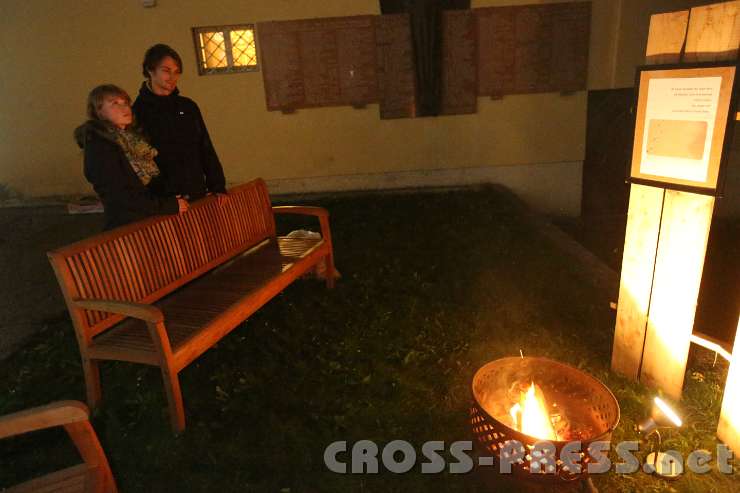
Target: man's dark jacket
125, 198
175, 127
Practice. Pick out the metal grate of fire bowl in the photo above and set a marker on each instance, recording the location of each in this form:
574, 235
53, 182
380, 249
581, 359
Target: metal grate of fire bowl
581, 408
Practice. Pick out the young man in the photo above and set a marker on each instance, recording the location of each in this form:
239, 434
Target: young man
176, 128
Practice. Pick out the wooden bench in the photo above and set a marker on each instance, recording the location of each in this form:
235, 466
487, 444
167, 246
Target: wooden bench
164, 290
92, 476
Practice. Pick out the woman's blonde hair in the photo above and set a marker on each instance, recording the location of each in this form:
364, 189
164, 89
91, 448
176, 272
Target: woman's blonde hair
97, 97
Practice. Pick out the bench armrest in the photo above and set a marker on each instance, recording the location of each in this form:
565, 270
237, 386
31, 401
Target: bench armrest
42, 417
147, 313
319, 212
300, 209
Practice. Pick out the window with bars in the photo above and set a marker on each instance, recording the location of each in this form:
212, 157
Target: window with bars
225, 49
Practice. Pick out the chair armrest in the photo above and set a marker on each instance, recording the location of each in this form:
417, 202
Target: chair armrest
38, 418
300, 209
147, 313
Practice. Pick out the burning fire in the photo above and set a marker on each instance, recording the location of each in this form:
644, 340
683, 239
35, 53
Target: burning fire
530, 415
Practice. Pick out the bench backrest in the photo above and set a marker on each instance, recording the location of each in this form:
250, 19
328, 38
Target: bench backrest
146, 260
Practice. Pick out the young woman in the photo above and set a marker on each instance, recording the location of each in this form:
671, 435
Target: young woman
119, 162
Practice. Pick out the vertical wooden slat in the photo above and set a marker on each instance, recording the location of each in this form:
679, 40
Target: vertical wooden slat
235, 219
714, 33
135, 262
250, 215
160, 244
227, 225
144, 256
640, 245
90, 272
103, 272
207, 226
270, 217
667, 34
729, 419
129, 269
81, 285
223, 231
195, 237
153, 244
114, 285
175, 249
123, 271
191, 249
679, 262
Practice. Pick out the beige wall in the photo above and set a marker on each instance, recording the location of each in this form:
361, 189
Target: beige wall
55, 51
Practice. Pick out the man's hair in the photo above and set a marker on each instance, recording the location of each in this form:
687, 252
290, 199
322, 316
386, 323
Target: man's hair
154, 56
97, 97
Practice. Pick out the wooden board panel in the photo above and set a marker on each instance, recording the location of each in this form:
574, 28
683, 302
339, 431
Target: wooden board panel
714, 33
640, 245
728, 429
533, 48
667, 32
396, 77
666, 37
459, 63
319, 62
679, 262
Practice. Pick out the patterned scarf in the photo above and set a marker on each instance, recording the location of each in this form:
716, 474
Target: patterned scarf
139, 153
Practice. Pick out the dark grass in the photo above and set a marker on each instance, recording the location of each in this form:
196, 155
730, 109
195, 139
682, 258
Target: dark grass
434, 286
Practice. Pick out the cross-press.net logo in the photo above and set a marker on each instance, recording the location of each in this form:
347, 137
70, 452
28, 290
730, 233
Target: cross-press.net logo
400, 456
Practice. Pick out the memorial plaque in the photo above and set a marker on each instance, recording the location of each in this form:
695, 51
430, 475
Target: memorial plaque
496, 50
281, 68
459, 63
396, 77
533, 48
319, 62
358, 78
570, 34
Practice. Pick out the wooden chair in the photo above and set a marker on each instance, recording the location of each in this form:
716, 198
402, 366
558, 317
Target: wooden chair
92, 476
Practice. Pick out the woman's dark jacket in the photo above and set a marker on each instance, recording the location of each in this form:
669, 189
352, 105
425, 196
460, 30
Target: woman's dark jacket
174, 126
125, 198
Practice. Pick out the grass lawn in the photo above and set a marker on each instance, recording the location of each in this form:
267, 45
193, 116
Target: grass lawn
434, 286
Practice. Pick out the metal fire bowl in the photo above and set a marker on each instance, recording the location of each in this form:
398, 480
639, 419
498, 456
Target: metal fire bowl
589, 409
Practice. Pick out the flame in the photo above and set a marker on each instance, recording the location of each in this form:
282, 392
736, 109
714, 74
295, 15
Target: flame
530, 415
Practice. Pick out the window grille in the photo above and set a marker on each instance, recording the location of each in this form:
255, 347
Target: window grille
225, 49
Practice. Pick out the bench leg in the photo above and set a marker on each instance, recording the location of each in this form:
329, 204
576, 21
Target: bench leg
330, 272
92, 382
174, 400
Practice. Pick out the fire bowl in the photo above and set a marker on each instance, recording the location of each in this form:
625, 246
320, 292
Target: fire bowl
579, 406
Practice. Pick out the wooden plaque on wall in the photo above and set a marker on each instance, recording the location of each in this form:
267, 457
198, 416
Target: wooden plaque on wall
319, 62
533, 48
459, 62
396, 76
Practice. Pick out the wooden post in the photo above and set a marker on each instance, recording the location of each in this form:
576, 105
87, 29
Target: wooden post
665, 39
663, 258
729, 419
